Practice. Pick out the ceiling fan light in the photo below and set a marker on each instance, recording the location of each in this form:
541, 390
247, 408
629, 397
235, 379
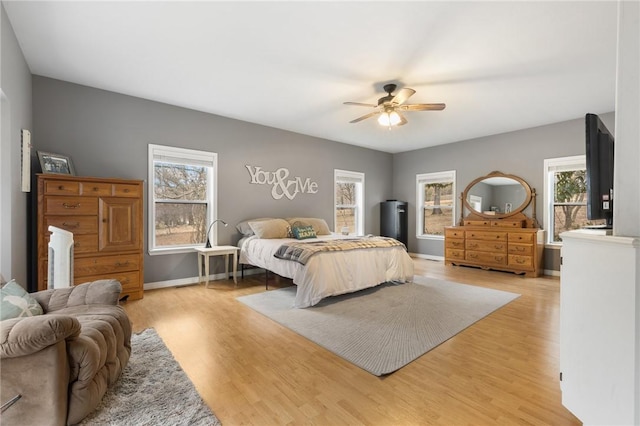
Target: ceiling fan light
389, 119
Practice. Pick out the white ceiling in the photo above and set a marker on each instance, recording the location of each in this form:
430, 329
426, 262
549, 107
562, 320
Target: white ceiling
499, 66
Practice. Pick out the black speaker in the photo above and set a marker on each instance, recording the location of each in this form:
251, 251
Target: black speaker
393, 220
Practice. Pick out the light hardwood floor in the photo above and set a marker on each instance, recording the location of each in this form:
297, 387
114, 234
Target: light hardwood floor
250, 370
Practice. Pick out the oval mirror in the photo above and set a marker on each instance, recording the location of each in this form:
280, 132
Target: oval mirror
497, 195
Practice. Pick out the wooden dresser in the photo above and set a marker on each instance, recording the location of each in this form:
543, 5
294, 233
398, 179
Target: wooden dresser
518, 250
105, 217
496, 233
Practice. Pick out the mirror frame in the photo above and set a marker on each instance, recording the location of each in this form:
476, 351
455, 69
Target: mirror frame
515, 211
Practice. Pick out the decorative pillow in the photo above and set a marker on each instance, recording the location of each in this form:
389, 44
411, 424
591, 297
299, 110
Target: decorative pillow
15, 302
319, 225
271, 228
303, 232
244, 228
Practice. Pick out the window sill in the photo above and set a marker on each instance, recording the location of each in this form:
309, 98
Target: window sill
173, 250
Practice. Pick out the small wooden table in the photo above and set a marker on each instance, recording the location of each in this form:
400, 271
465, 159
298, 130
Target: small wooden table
205, 253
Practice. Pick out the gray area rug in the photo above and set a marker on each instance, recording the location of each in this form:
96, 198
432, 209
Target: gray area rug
153, 390
383, 328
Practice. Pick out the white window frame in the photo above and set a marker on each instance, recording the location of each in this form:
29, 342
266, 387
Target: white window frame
434, 177
187, 157
552, 165
350, 177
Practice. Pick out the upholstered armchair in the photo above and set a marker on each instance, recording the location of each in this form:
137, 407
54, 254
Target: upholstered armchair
61, 362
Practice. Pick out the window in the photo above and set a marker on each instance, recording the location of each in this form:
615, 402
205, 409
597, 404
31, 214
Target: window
349, 201
435, 203
182, 198
565, 196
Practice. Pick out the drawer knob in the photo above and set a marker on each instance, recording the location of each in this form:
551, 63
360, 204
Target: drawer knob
520, 261
120, 264
71, 224
71, 206
126, 190
60, 187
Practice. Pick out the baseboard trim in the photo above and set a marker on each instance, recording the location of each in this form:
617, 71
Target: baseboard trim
551, 272
427, 257
194, 280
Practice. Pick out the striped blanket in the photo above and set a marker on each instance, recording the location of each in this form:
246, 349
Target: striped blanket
301, 251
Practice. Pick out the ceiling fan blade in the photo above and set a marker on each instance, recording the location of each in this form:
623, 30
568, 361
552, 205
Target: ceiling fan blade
402, 96
403, 120
360, 104
422, 107
364, 117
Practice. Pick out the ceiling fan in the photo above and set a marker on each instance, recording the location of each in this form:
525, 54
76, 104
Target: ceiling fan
390, 107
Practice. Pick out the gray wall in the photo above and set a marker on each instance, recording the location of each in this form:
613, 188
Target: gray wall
107, 134
521, 153
15, 95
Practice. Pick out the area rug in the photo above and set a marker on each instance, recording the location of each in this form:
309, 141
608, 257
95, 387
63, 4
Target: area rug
386, 327
153, 390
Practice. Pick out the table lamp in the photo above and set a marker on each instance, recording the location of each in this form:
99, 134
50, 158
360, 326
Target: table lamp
208, 245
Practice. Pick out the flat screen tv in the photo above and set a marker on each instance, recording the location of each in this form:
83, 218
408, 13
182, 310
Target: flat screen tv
599, 176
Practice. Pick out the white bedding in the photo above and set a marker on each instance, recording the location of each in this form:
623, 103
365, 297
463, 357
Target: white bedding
330, 273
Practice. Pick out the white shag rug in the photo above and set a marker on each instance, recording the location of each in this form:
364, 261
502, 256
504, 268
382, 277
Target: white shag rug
153, 390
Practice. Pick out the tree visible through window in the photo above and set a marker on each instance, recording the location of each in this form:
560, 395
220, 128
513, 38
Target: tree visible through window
436, 202
181, 203
349, 200
566, 184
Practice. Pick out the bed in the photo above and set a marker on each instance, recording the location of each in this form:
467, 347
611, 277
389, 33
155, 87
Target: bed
326, 272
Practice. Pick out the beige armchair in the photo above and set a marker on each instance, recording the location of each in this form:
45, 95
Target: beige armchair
62, 362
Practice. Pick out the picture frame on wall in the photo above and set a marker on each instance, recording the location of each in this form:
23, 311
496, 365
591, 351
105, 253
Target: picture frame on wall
55, 163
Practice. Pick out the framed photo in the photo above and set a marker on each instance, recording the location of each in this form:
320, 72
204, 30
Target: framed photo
56, 163
507, 208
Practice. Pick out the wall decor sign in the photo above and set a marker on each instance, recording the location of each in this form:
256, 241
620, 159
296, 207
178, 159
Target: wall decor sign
282, 186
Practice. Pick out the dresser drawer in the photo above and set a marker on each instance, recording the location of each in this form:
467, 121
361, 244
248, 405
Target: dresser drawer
521, 262
106, 265
521, 249
82, 243
454, 243
60, 187
507, 223
71, 205
454, 233
486, 257
96, 189
125, 190
73, 224
454, 254
487, 235
481, 245
477, 223
520, 237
